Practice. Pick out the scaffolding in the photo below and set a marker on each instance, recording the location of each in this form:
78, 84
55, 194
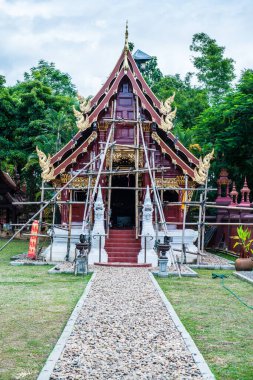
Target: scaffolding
89, 170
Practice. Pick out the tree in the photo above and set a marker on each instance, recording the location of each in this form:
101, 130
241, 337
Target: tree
46, 73
189, 100
228, 126
214, 72
151, 73
36, 111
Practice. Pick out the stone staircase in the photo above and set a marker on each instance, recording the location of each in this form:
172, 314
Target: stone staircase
122, 248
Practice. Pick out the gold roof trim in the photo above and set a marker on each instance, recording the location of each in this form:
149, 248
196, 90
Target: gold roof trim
201, 172
47, 168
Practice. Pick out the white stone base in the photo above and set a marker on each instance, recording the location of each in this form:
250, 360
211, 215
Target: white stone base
94, 256
151, 257
189, 238
60, 243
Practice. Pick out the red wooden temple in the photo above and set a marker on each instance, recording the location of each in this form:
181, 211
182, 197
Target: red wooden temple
124, 101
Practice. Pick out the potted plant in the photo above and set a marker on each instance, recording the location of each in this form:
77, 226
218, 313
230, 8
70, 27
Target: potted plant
244, 241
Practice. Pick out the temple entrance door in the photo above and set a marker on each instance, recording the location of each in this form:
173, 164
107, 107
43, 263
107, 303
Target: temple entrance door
123, 202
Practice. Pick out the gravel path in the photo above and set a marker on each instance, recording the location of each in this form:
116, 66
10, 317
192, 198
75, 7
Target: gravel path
124, 332
212, 259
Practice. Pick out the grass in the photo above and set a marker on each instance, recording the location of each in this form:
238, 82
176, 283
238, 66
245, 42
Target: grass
218, 323
35, 307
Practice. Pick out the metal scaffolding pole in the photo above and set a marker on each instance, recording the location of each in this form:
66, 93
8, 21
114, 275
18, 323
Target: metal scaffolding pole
109, 195
185, 197
157, 199
50, 201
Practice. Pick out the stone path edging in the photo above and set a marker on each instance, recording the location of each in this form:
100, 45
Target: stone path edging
212, 267
197, 356
58, 348
243, 278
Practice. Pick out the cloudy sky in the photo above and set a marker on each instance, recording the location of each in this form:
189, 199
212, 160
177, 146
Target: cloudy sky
85, 37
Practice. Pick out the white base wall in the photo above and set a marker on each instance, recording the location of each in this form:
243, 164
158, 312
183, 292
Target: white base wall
59, 247
94, 256
151, 257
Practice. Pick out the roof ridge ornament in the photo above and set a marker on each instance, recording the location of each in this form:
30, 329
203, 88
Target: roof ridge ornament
47, 168
201, 172
126, 50
82, 118
168, 114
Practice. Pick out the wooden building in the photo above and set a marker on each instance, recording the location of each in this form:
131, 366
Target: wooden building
125, 104
9, 193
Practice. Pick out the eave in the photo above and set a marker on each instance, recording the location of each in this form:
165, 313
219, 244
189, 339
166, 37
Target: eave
174, 157
73, 157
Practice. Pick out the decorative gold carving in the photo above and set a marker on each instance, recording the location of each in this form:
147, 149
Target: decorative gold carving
156, 138
146, 128
103, 127
201, 172
178, 181
126, 49
47, 168
85, 104
167, 114
82, 121
82, 118
120, 154
81, 182
165, 107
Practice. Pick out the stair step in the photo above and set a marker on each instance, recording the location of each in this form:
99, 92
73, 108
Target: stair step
124, 265
122, 246
115, 234
122, 260
119, 242
120, 254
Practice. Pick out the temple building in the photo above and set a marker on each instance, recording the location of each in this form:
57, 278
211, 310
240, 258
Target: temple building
10, 192
126, 110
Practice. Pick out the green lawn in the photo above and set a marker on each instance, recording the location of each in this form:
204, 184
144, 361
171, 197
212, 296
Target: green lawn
35, 307
220, 325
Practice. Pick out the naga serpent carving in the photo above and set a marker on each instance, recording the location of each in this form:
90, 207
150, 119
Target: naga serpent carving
47, 168
82, 118
200, 173
167, 114
82, 122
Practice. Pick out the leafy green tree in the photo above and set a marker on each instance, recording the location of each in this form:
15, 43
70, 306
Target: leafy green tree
228, 127
36, 111
214, 72
189, 100
151, 72
46, 73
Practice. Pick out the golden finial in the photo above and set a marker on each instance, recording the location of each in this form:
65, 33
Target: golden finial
126, 37
126, 49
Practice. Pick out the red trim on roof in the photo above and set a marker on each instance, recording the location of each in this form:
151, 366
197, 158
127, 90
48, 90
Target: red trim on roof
72, 158
178, 160
108, 81
183, 149
143, 82
66, 148
93, 116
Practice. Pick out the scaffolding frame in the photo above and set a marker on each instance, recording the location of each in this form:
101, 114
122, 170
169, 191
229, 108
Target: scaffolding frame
89, 170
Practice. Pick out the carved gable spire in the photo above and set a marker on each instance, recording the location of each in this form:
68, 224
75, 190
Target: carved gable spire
126, 50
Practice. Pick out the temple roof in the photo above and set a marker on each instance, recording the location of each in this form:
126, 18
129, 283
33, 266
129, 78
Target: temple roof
161, 114
139, 55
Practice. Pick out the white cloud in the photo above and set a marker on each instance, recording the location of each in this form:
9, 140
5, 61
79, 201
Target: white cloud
85, 38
